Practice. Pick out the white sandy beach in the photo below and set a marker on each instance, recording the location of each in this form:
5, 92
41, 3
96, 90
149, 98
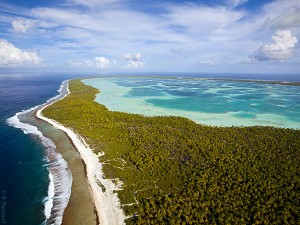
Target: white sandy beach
107, 203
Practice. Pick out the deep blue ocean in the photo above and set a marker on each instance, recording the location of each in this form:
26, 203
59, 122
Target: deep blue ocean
24, 176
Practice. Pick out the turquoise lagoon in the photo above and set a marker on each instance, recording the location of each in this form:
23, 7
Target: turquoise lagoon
205, 101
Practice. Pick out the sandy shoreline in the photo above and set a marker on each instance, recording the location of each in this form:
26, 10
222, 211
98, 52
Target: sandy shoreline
81, 199
106, 203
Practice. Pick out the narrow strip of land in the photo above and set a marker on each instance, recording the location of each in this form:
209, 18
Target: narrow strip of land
81, 208
106, 201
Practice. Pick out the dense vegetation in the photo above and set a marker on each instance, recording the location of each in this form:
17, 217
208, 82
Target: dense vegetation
178, 172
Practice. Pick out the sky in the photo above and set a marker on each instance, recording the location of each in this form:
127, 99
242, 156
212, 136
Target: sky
224, 36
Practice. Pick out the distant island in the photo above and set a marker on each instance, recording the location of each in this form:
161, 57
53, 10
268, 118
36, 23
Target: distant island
171, 170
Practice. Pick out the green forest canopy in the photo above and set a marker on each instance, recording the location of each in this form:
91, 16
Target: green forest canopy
178, 172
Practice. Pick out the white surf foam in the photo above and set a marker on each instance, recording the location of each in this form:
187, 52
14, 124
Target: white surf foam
49, 198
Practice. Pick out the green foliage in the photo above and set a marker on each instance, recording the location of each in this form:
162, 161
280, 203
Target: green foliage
181, 172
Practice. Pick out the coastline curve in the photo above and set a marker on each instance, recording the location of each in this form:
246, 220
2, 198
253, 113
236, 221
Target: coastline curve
106, 202
60, 177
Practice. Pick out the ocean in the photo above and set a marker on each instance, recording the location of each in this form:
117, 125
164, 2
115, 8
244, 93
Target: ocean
24, 177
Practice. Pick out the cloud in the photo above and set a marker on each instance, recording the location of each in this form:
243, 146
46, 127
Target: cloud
134, 61
177, 51
198, 28
98, 62
74, 63
135, 65
280, 7
235, 3
22, 25
94, 3
115, 63
11, 56
101, 62
206, 62
112, 27
289, 19
132, 57
127, 56
101, 21
202, 19
283, 47
249, 61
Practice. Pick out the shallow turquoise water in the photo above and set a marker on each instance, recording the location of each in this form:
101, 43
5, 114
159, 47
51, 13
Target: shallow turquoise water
211, 102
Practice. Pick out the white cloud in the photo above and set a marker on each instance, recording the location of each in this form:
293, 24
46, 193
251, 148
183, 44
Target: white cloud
193, 26
289, 19
134, 61
127, 56
279, 7
206, 62
86, 63
112, 27
249, 61
235, 3
75, 63
132, 57
115, 63
94, 3
22, 25
101, 62
283, 47
135, 64
201, 19
98, 62
122, 25
11, 56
